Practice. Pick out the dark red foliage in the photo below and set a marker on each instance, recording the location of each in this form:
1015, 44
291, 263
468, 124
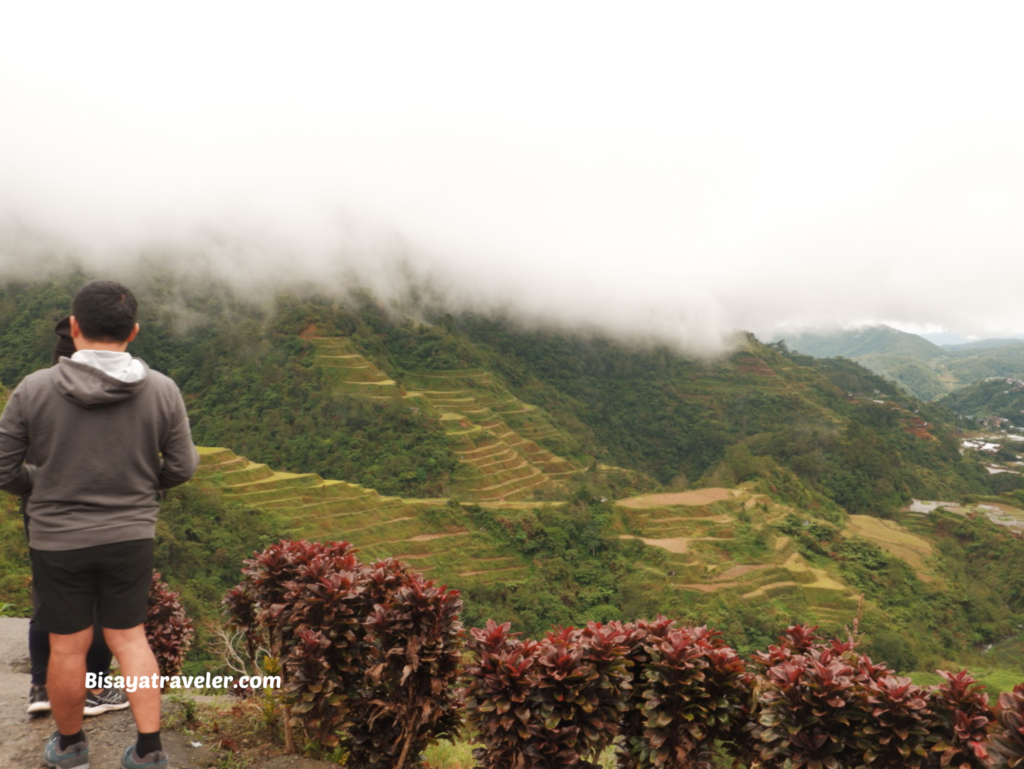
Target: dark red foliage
582, 688
638, 635
810, 713
1007, 746
693, 693
796, 639
369, 653
829, 707
814, 701
168, 628
411, 700
386, 576
555, 703
306, 603
962, 718
498, 696
897, 731
317, 697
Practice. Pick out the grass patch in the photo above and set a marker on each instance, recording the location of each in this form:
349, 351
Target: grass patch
451, 755
996, 680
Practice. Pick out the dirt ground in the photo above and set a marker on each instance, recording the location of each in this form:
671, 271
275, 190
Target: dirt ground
693, 497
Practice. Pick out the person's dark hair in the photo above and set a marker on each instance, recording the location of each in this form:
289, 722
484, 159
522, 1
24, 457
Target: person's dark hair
105, 310
65, 346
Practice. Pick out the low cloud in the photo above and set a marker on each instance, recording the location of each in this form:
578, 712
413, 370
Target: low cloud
674, 175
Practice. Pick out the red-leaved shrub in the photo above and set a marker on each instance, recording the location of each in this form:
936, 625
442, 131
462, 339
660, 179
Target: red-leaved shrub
896, 733
810, 713
369, 654
640, 635
168, 628
962, 718
498, 696
417, 648
1008, 745
826, 706
304, 604
556, 703
693, 692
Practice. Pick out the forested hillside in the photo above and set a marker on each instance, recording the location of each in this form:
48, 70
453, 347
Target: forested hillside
918, 366
558, 477
262, 381
1003, 398
846, 433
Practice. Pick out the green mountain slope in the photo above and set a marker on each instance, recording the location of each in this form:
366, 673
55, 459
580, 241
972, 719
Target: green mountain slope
971, 365
479, 408
918, 366
990, 398
913, 375
654, 410
556, 477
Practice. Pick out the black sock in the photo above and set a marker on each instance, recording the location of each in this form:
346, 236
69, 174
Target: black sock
67, 740
148, 743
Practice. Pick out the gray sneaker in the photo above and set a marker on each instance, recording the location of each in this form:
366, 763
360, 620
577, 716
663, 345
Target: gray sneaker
73, 757
132, 760
108, 699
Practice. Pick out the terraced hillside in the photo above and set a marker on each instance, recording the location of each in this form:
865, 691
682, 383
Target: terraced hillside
493, 433
352, 372
700, 540
719, 541
415, 530
714, 541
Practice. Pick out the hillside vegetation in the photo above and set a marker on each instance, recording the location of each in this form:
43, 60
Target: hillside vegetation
919, 367
557, 478
1003, 398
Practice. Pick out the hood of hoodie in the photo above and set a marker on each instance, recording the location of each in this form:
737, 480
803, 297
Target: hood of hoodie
89, 387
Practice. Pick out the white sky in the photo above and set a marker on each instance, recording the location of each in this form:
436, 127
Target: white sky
684, 168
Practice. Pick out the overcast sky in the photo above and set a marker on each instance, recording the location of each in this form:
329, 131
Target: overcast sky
684, 168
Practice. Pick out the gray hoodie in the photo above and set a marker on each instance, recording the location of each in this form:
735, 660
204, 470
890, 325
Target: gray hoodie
92, 451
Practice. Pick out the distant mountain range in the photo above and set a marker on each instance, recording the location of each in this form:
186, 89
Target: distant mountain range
919, 366
981, 344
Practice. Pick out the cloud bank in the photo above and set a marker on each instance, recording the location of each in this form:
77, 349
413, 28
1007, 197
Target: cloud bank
676, 172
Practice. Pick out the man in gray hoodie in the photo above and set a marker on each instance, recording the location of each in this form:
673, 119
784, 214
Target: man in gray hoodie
91, 441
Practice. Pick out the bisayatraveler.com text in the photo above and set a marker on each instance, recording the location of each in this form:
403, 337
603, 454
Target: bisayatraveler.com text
155, 681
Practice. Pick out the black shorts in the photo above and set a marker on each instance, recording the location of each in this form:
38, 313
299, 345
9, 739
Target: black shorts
114, 578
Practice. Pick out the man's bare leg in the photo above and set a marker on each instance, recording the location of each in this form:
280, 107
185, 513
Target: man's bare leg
131, 648
65, 679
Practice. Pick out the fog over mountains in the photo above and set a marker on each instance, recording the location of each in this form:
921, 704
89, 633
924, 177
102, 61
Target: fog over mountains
661, 172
